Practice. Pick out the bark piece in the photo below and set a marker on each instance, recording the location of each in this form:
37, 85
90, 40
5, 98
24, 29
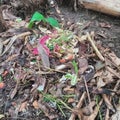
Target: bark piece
111, 7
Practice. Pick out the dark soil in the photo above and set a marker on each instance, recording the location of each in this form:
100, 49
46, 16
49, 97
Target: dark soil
110, 35
107, 30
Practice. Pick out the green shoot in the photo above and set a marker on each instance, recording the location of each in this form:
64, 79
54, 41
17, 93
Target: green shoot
59, 103
97, 101
75, 65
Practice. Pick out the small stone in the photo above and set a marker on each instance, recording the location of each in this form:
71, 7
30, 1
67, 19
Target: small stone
111, 45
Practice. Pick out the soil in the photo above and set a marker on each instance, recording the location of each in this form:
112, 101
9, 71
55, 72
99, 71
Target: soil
107, 30
108, 34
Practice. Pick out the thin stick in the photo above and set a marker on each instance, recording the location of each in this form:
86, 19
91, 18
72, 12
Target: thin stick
88, 94
95, 48
12, 40
113, 72
72, 117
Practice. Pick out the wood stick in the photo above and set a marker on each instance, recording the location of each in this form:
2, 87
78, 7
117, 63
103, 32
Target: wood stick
95, 48
111, 7
72, 117
13, 39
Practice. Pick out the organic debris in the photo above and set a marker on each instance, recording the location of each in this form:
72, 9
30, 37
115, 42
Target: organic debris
48, 71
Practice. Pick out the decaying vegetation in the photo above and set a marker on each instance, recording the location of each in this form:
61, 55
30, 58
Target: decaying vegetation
53, 69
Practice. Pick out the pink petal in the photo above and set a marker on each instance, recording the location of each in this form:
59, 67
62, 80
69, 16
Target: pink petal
44, 39
35, 51
46, 49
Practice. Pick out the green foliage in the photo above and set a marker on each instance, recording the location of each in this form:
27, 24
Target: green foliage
59, 103
72, 77
75, 65
63, 37
39, 17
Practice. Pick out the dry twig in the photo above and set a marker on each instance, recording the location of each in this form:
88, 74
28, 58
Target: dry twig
72, 117
95, 48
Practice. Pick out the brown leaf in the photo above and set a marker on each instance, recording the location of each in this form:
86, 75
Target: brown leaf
69, 90
105, 76
105, 25
114, 58
7, 15
83, 47
44, 56
114, 72
23, 107
100, 82
47, 111
94, 114
108, 103
87, 110
71, 100
83, 65
36, 104
12, 95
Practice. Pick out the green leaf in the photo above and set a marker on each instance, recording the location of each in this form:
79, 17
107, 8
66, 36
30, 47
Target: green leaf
0, 78
74, 80
68, 76
36, 17
75, 66
72, 77
53, 22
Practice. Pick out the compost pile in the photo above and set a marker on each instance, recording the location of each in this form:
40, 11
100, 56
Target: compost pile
49, 71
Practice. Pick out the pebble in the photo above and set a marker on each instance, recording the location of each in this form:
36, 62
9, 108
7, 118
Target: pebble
111, 45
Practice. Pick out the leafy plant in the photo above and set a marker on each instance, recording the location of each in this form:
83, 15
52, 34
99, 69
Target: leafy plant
63, 36
39, 17
72, 77
75, 65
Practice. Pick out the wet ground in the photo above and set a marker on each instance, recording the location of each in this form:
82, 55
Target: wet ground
107, 28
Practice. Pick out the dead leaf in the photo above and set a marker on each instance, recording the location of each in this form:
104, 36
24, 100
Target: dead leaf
114, 58
99, 65
87, 110
83, 46
94, 114
105, 25
7, 15
47, 111
42, 84
100, 82
23, 107
83, 65
44, 56
114, 72
116, 116
108, 103
12, 95
71, 100
69, 90
36, 104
